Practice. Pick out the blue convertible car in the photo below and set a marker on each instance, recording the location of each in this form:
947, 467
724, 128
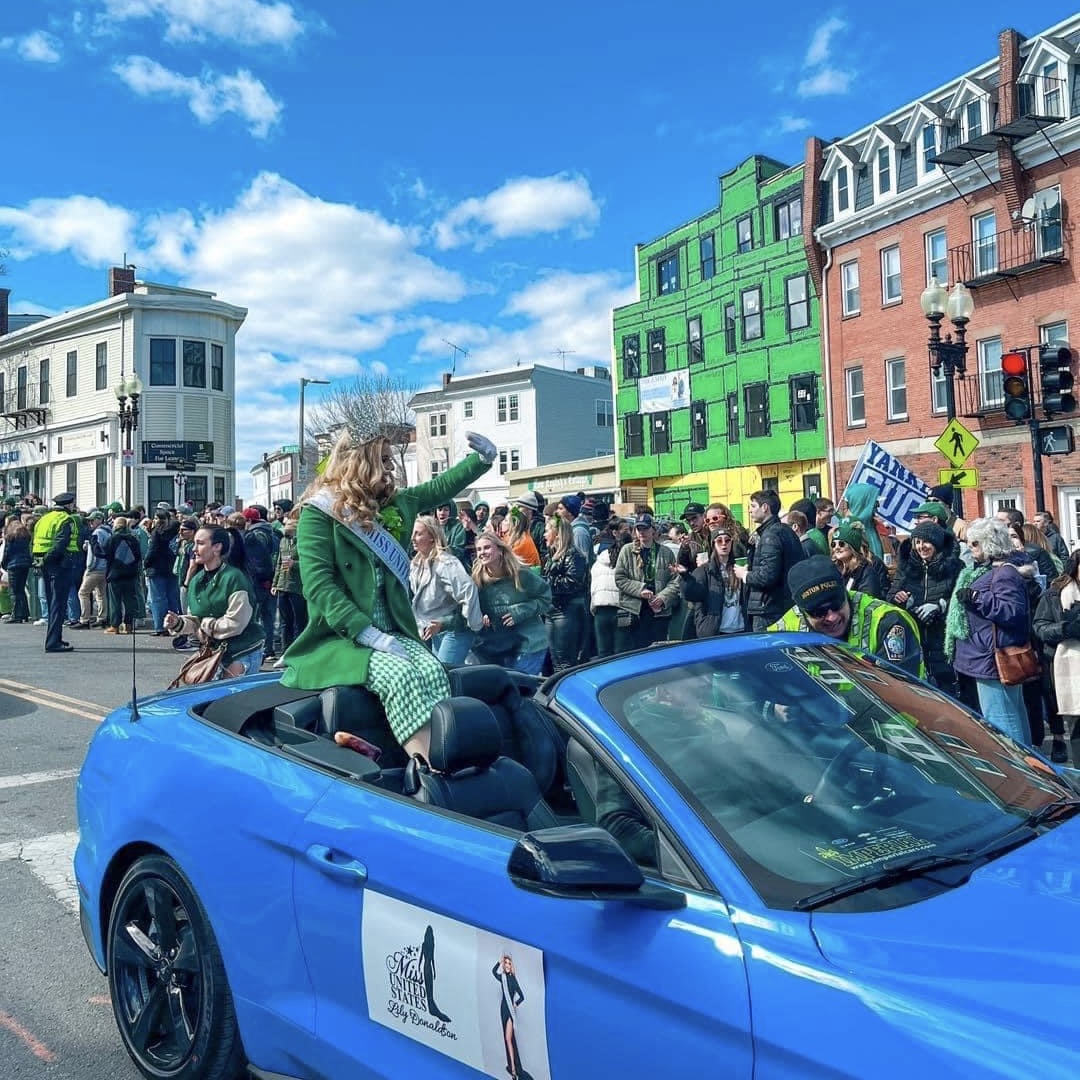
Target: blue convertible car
760, 857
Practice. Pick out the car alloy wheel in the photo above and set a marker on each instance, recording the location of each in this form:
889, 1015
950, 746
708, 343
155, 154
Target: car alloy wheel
167, 982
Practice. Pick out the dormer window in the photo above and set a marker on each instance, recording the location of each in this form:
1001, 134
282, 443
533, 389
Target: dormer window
1050, 90
884, 170
929, 148
973, 120
843, 193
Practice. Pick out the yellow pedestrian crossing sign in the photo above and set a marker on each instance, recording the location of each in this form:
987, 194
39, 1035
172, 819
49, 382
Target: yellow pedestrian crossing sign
959, 478
957, 443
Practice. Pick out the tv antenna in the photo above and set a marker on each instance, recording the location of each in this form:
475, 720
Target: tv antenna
454, 355
562, 354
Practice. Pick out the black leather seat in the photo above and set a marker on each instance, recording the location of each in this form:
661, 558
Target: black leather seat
528, 736
354, 709
468, 773
581, 774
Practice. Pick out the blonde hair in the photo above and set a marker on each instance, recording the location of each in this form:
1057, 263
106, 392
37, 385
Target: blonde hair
564, 536
514, 526
512, 566
1034, 535
436, 532
351, 473
120, 523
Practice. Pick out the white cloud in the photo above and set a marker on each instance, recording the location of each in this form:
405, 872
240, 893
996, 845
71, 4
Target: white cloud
38, 47
818, 50
826, 81
521, 207
246, 22
94, 232
788, 124
209, 97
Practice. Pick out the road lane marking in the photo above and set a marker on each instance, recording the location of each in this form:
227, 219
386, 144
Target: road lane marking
27, 1038
49, 859
26, 779
50, 704
29, 688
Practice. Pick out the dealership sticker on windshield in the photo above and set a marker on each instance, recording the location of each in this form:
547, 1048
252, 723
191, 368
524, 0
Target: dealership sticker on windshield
466, 993
854, 853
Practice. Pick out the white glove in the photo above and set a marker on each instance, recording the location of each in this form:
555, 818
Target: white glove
387, 643
926, 612
487, 450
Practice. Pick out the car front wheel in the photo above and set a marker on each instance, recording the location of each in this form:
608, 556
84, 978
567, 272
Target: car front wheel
167, 981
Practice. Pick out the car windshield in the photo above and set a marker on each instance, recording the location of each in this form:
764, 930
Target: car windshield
816, 767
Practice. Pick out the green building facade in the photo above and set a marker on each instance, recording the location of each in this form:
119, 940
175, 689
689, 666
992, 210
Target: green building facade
719, 375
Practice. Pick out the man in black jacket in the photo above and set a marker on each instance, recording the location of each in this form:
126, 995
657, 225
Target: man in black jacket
158, 564
774, 550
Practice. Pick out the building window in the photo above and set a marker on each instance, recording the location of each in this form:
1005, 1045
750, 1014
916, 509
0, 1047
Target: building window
194, 492
984, 233
890, 275
72, 374
972, 120
699, 425
160, 489
896, 388
695, 340
929, 148
195, 364
506, 408
1048, 218
657, 358
856, 396
667, 273
71, 479
631, 356
217, 367
1051, 91
467, 409
732, 407
437, 424
744, 233
789, 218
884, 170
605, 413
1052, 332
633, 439
730, 343
707, 251
849, 282
162, 362
43, 382
798, 306
20, 388
101, 365
938, 391
756, 406
101, 481
991, 393
843, 194
802, 390
509, 461
219, 489
751, 314
661, 432
3, 402
937, 257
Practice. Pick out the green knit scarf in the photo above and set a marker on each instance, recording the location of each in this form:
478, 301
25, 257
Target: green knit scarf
956, 620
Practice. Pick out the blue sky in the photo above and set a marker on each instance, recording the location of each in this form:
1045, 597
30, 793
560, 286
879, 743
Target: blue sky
371, 179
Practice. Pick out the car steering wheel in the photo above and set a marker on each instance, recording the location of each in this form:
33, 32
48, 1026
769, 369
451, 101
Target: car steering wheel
867, 788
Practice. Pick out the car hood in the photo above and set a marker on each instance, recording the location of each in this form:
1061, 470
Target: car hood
1000, 944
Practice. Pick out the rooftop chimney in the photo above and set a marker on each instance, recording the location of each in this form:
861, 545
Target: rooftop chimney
121, 279
4, 294
446, 379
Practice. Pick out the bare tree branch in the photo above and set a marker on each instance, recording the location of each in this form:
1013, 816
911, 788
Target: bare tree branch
371, 405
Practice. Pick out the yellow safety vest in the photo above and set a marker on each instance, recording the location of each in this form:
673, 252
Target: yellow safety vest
46, 529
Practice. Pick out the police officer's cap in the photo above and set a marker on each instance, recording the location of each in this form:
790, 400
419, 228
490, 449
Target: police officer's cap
65, 498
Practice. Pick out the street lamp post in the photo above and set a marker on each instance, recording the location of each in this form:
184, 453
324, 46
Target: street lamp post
946, 355
304, 383
128, 391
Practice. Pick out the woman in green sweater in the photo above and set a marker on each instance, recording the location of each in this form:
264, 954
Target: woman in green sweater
221, 606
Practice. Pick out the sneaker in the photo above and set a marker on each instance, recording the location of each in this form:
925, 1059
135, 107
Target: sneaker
111, 630
79, 625
122, 629
279, 663
40, 622
1059, 753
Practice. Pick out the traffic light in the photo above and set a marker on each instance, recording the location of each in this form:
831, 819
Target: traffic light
1056, 378
1016, 384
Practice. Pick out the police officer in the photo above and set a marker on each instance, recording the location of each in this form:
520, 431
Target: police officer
56, 539
823, 605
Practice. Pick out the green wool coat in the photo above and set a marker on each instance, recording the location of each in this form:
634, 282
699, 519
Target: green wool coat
339, 585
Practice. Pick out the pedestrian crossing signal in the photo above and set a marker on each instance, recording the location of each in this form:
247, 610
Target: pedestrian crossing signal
1016, 385
1056, 378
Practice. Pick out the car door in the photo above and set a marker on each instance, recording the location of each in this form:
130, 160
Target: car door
406, 913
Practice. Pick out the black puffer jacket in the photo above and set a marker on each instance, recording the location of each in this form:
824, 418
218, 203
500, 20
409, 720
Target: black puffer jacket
871, 578
775, 551
929, 583
567, 576
705, 588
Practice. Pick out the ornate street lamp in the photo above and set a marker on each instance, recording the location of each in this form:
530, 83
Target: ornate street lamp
128, 391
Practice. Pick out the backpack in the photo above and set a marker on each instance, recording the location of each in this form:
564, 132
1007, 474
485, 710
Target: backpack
123, 553
258, 557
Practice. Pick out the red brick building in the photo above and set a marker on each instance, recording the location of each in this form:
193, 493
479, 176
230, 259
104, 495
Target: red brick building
974, 182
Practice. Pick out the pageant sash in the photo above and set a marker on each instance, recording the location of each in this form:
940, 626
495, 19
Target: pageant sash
378, 541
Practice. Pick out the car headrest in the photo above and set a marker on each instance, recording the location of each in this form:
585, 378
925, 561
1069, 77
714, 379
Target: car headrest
464, 734
488, 682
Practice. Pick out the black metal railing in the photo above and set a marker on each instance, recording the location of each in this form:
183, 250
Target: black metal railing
1008, 253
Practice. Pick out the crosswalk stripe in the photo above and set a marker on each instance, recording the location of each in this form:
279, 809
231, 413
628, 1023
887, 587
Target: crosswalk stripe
49, 859
27, 779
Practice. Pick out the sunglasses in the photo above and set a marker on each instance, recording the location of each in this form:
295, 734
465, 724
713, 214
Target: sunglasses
822, 610
840, 543
722, 539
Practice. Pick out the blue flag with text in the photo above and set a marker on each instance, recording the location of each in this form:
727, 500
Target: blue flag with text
900, 489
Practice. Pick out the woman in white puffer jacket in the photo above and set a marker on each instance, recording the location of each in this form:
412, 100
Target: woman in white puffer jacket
604, 594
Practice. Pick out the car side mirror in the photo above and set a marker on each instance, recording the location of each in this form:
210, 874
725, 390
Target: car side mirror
584, 862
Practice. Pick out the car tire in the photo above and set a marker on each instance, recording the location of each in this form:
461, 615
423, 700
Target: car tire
167, 982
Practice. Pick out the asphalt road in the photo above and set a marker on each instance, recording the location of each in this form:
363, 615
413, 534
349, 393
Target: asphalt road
55, 1019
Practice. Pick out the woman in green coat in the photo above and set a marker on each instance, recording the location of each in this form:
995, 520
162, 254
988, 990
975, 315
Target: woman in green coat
361, 629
